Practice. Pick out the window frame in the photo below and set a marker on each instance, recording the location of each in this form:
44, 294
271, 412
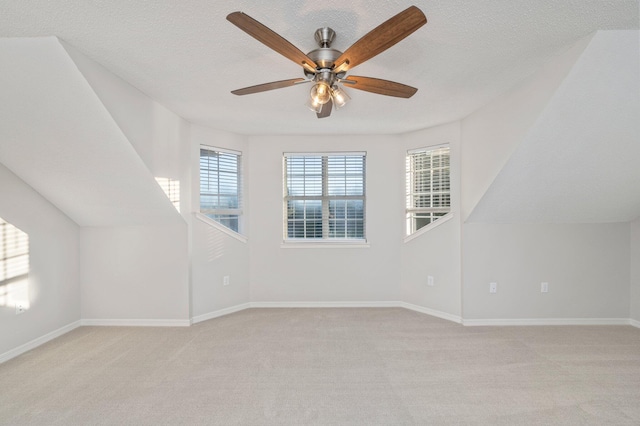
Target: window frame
326, 240
205, 215
410, 210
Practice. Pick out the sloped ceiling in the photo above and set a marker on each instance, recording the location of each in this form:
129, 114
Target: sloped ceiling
57, 136
579, 162
188, 57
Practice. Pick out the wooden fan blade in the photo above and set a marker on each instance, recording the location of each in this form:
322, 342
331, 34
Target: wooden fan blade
379, 86
326, 110
271, 39
381, 38
267, 86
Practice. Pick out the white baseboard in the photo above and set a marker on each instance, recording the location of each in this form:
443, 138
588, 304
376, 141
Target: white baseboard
350, 304
136, 322
545, 321
391, 304
37, 342
382, 304
432, 312
221, 312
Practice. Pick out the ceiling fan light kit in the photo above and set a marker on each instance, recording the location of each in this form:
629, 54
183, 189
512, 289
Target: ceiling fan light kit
326, 67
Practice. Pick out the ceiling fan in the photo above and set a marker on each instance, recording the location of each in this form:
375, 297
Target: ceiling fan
325, 67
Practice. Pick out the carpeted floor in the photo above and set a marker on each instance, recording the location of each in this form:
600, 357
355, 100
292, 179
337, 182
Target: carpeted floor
327, 367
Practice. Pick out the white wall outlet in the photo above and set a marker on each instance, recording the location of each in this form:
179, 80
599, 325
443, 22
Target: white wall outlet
20, 308
430, 281
225, 280
544, 287
493, 287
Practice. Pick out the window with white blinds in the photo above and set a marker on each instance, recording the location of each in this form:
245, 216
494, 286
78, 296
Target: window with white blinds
324, 196
220, 186
428, 188
14, 260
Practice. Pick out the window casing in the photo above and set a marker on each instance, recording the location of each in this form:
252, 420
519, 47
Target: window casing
220, 186
428, 187
324, 196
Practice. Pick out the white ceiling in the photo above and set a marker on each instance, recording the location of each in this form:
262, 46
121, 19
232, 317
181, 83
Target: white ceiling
188, 57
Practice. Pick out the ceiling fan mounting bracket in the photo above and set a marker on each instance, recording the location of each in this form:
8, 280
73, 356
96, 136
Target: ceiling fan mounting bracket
325, 36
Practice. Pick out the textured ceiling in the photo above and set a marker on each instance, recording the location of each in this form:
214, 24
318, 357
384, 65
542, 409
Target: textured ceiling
188, 57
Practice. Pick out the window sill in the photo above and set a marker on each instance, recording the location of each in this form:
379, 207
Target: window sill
288, 244
221, 228
429, 227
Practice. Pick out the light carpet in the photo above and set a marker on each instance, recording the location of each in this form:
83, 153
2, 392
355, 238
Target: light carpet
363, 366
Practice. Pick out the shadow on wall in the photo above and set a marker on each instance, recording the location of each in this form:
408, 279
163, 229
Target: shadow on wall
215, 244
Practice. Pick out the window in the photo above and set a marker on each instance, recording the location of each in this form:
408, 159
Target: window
428, 195
220, 195
14, 264
324, 196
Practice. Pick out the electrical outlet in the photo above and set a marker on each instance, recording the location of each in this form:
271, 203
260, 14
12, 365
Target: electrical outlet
225, 280
20, 308
430, 281
544, 287
493, 287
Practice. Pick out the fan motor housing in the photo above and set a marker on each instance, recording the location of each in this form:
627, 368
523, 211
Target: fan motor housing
324, 56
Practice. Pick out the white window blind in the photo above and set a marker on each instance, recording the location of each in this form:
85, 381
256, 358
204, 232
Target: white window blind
324, 196
220, 193
428, 188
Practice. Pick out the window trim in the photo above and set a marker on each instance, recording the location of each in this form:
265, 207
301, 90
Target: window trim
239, 211
325, 242
220, 227
442, 219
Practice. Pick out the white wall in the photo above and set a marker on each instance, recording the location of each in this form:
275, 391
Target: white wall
135, 273
53, 284
169, 146
586, 266
214, 253
160, 137
556, 173
156, 133
326, 274
139, 272
491, 134
436, 252
634, 294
